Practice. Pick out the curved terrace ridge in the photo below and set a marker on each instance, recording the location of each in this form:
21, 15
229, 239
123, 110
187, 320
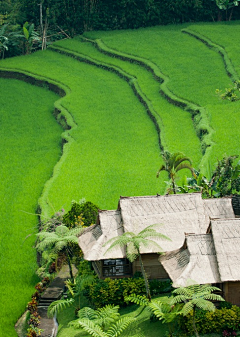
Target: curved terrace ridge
61, 114
202, 126
231, 72
131, 80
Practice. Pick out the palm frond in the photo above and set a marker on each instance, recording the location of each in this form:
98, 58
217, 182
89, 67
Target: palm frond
162, 168
45, 243
179, 299
184, 166
188, 307
92, 328
62, 230
180, 158
76, 231
213, 297
121, 325
107, 314
87, 313
203, 304
57, 306
137, 299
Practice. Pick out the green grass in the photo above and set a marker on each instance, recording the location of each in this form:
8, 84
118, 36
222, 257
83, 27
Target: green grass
29, 147
142, 327
194, 71
143, 323
171, 116
115, 147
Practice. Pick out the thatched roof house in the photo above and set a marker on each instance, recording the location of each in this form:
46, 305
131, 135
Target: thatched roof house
209, 258
179, 214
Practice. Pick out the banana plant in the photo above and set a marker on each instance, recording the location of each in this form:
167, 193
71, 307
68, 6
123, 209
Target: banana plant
30, 37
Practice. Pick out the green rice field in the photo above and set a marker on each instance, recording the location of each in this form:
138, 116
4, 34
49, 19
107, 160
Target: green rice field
128, 96
30, 146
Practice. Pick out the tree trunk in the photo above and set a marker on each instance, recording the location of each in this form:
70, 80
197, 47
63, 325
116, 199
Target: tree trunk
194, 325
70, 266
145, 277
174, 186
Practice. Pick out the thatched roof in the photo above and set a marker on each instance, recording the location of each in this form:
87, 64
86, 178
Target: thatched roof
91, 241
179, 214
226, 236
194, 261
220, 208
209, 258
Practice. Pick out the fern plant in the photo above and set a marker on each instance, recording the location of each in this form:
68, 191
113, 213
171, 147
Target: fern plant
57, 306
133, 243
165, 312
196, 296
61, 240
103, 322
75, 288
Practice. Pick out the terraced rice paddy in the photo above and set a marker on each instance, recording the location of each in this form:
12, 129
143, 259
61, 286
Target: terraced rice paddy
127, 97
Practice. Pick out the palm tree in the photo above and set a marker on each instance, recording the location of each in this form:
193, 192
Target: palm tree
196, 296
61, 240
133, 242
174, 162
103, 322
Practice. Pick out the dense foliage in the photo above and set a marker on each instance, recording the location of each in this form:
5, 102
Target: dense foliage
113, 291
85, 210
216, 321
78, 16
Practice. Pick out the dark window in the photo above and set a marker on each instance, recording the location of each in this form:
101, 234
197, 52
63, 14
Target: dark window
118, 267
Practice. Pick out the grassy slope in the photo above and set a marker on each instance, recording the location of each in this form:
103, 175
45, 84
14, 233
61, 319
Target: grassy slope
30, 147
115, 150
194, 70
171, 116
142, 327
225, 117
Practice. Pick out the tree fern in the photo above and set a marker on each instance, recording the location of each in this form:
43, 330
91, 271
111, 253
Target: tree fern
196, 296
59, 241
92, 328
57, 306
133, 243
120, 326
87, 313
96, 322
137, 299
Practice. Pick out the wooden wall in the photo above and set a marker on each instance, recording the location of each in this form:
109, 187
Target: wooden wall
152, 266
231, 292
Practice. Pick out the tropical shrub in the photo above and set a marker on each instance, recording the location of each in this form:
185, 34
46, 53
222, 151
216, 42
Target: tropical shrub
113, 291
85, 211
210, 322
102, 322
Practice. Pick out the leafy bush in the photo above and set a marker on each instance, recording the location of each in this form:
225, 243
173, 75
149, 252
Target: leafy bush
215, 321
160, 287
85, 211
113, 291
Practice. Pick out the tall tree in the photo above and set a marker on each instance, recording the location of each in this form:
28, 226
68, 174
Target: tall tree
133, 243
61, 240
174, 162
196, 296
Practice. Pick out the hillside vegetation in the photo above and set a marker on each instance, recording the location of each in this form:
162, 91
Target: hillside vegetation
126, 96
